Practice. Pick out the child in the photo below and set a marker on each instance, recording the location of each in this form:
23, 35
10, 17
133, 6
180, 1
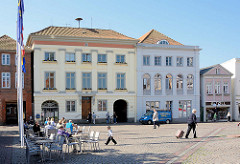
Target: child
110, 136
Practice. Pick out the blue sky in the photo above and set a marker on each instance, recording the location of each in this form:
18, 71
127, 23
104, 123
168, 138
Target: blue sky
211, 24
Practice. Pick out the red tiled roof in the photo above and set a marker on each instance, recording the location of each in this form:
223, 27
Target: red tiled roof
153, 36
7, 43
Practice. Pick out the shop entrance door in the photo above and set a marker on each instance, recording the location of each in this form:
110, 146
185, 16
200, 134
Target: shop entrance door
86, 107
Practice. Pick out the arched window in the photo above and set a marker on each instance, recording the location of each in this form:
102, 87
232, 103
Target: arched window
157, 82
146, 82
190, 82
179, 82
169, 82
162, 42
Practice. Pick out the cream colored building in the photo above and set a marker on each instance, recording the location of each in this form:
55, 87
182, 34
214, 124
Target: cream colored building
80, 70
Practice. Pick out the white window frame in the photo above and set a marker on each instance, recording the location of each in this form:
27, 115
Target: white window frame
86, 57
163, 42
189, 80
217, 88
179, 82
209, 88
16, 80
101, 107
158, 60
146, 60
150, 105
50, 54
6, 76
71, 110
69, 56
225, 88
190, 62
157, 82
169, 105
168, 60
119, 79
169, 82
88, 85
5, 59
120, 59
179, 61
72, 75
54, 81
102, 78
100, 58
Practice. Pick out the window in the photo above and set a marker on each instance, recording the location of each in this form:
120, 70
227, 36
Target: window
146, 82
70, 105
217, 71
49, 56
179, 61
225, 88
150, 105
86, 81
102, 81
209, 88
120, 59
70, 81
184, 108
86, 58
179, 82
6, 80
168, 61
162, 42
16, 80
16, 59
70, 57
157, 60
190, 61
102, 105
169, 82
190, 82
146, 60
169, 105
157, 82
217, 88
49, 81
121, 81
102, 58
5, 59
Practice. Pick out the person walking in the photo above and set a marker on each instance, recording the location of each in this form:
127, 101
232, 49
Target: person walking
155, 119
107, 118
114, 118
90, 118
94, 118
215, 117
110, 136
229, 116
192, 122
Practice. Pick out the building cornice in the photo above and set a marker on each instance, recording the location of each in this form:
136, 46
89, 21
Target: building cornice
161, 46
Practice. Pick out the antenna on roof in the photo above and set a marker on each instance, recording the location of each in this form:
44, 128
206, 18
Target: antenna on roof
78, 19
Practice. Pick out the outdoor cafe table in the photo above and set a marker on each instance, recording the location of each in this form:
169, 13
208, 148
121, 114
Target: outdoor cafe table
43, 142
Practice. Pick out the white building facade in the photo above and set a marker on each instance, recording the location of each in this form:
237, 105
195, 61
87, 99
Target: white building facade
168, 76
233, 66
77, 71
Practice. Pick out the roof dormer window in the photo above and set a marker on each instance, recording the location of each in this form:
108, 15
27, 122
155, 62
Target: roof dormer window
162, 42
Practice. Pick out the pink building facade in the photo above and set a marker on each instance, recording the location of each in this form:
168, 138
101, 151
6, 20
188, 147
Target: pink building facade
215, 93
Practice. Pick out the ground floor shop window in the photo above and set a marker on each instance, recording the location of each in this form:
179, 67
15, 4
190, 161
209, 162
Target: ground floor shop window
150, 105
184, 108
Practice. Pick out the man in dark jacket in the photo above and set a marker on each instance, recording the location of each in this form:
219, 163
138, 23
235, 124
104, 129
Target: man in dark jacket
192, 121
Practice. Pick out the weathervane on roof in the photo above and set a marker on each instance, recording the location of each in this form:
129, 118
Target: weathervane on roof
78, 19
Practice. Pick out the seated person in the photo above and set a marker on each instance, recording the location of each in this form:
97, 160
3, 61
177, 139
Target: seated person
52, 122
36, 129
70, 125
62, 132
59, 124
49, 126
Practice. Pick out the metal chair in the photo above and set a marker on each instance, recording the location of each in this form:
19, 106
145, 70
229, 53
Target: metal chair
57, 146
95, 141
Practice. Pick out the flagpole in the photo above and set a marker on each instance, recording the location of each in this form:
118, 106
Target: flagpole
20, 94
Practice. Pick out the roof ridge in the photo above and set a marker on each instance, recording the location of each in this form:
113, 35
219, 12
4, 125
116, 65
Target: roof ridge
145, 36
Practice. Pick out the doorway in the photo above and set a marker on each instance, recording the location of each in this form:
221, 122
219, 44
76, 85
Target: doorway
120, 108
86, 107
12, 112
50, 109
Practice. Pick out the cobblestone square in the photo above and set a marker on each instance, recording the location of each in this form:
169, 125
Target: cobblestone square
216, 143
